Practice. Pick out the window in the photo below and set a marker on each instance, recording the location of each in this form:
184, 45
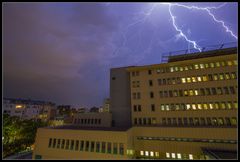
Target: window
173, 155
134, 95
121, 148
174, 121
144, 121
139, 108
210, 105
165, 94
233, 76
210, 77
208, 92
63, 144
217, 105
223, 105
189, 80
202, 92
180, 93
175, 93
67, 145
150, 83
178, 80
135, 120
135, 108
214, 92
180, 68
169, 121
194, 79
50, 142
151, 95
190, 92
162, 107
235, 62
173, 81
205, 78
152, 107
220, 121
227, 76
219, 90
185, 121
97, 146
58, 143
164, 82
202, 120
158, 71
194, 106
133, 73
234, 121
115, 148
222, 63
167, 155
209, 121
206, 65
54, 142
185, 92
169, 81
81, 145
235, 105
183, 80
229, 63
149, 121
215, 77
180, 121
202, 66
170, 94
171, 69
137, 73
190, 156
138, 95
191, 121
103, 147
221, 76
142, 153
72, 144
92, 146
140, 121
196, 66
214, 121
217, 64
149, 72
212, 65
199, 106
161, 94
154, 121
225, 89
196, 92
232, 91
159, 81
179, 156
199, 79
164, 121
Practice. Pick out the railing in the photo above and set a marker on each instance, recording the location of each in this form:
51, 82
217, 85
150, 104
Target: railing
193, 50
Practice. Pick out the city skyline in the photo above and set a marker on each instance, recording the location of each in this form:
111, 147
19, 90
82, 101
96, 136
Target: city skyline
62, 52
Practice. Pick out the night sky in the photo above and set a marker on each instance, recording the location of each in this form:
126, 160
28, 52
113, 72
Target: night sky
63, 52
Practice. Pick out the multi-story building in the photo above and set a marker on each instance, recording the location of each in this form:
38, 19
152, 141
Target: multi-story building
183, 109
106, 106
29, 109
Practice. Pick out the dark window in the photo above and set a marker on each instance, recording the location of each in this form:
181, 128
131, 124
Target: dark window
202, 120
149, 72
109, 147
137, 73
210, 77
164, 82
219, 90
72, 144
77, 145
208, 92
161, 93
135, 120
133, 73
99, 121
149, 121
228, 123
144, 121
164, 121
92, 146
185, 121
82, 146
226, 90
89, 121
150, 83
214, 92
113, 78
87, 146
58, 143
152, 107
67, 145
180, 121
180, 93
159, 81
174, 121
115, 148
96, 121
202, 92
151, 95
191, 121
50, 142
209, 121
97, 146
92, 121
232, 90
138, 95
169, 121
170, 94
169, 81
140, 121
165, 94
63, 144
54, 142
135, 108
196, 121
121, 149
139, 108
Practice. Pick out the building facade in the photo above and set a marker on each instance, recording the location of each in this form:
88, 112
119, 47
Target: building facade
184, 109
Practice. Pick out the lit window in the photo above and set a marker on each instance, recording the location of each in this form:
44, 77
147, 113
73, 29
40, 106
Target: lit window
190, 156
211, 106
212, 65
235, 62
157, 154
194, 79
217, 64
206, 65
158, 70
193, 106
199, 106
215, 77
216, 105
176, 68
179, 156
202, 66
229, 63
223, 105
183, 80
227, 76
171, 69
189, 80
235, 105
190, 92
185, 68
222, 63
185, 93
233, 75
173, 155
167, 107
188, 106
180, 68
229, 105
199, 79
221, 76
167, 155
205, 106
205, 78
146, 153
141, 153
196, 66
151, 153
196, 92
162, 107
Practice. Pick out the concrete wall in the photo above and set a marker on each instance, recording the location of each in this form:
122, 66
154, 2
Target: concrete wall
120, 105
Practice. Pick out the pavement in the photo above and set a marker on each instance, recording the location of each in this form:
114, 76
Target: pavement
25, 155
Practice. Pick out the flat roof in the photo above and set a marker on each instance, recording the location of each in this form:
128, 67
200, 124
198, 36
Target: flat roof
78, 127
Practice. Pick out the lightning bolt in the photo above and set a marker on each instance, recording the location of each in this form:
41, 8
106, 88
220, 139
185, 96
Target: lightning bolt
146, 15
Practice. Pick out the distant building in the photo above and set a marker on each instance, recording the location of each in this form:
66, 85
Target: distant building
94, 109
81, 110
106, 105
29, 109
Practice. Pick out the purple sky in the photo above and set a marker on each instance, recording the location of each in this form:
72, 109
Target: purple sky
63, 52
